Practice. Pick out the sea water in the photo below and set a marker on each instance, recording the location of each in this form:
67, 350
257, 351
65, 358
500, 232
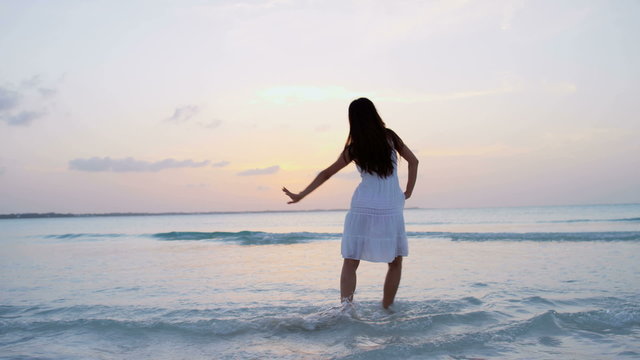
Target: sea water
495, 283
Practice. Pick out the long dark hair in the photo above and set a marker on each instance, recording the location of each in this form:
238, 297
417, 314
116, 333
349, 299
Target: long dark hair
368, 142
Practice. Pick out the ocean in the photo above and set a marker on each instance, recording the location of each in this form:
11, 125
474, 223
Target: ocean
490, 283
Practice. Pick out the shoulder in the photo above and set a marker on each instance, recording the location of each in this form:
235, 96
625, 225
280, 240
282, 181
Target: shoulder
397, 142
391, 133
347, 153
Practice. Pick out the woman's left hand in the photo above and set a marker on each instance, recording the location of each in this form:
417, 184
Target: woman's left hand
294, 197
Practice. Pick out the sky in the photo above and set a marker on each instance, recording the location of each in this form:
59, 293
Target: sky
157, 106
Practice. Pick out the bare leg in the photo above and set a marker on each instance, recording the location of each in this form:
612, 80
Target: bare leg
348, 279
392, 281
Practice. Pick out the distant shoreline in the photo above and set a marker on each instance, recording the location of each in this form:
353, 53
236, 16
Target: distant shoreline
113, 214
70, 215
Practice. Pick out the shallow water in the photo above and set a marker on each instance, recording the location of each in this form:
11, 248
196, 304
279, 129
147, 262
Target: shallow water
521, 283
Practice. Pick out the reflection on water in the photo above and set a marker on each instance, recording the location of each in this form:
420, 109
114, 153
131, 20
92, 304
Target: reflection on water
109, 288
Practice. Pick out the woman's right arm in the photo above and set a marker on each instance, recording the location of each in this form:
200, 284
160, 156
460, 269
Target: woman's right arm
408, 155
323, 176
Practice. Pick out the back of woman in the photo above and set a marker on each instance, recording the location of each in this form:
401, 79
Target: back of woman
379, 192
374, 226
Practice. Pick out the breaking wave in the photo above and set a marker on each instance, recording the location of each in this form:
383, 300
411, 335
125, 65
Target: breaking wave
259, 237
419, 327
534, 236
634, 219
268, 238
247, 237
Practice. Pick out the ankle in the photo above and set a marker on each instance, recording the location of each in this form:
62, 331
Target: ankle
386, 303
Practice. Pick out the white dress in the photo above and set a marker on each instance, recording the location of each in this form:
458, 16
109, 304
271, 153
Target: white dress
374, 226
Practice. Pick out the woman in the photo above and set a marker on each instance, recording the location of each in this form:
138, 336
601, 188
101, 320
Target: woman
374, 226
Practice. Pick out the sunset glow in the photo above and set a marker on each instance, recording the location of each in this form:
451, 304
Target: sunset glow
215, 105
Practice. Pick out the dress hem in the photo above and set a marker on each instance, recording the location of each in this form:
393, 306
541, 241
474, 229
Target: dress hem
377, 260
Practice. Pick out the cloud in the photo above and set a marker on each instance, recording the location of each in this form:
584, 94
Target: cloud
2, 170
220, 164
23, 118
211, 124
8, 99
264, 171
31, 82
24, 104
184, 113
129, 164
47, 92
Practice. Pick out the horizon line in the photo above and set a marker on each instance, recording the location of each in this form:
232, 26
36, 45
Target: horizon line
38, 215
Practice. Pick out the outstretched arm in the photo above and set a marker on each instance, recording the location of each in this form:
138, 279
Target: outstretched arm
413, 169
323, 176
